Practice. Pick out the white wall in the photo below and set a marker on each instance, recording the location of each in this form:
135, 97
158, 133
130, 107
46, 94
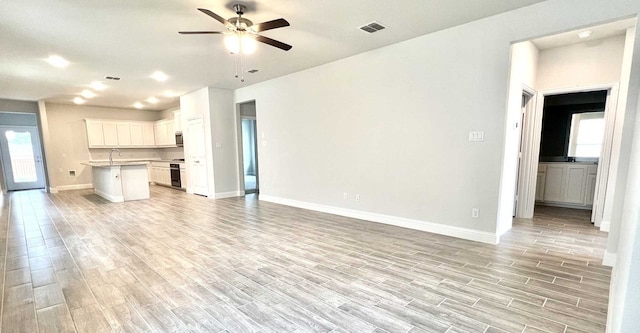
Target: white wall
392, 124
217, 110
223, 135
11, 105
589, 63
523, 70
68, 147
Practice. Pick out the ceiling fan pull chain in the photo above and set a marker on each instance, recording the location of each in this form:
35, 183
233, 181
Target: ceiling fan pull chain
235, 60
241, 66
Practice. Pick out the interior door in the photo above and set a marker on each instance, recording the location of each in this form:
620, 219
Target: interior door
198, 183
21, 158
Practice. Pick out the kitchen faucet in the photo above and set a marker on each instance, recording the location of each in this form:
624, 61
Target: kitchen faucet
111, 155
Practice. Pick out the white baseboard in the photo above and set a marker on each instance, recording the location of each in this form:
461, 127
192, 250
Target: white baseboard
109, 197
605, 226
70, 187
609, 259
223, 195
436, 228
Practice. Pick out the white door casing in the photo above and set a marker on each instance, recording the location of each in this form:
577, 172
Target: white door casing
23, 168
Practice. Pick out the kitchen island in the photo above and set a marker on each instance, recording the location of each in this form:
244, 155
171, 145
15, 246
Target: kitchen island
120, 181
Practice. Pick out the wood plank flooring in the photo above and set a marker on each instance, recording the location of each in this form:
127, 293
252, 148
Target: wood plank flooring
73, 262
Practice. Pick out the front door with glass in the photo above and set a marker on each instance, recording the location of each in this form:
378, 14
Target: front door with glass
21, 158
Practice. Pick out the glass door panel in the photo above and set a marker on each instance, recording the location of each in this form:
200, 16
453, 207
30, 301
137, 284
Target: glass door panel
22, 162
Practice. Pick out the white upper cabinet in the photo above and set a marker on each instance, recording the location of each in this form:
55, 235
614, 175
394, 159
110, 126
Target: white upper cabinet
137, 137
110, 131
177, 121
148, 135
132, 134
124, 134
95, 136
165, 133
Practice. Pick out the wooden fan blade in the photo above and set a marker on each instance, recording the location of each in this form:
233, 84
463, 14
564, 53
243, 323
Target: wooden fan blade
279, 23
198, 32
273, 42
215, 16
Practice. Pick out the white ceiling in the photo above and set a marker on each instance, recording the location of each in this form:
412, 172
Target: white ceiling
597, 32
133, 38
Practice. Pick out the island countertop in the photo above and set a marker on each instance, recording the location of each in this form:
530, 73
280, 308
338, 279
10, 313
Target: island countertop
107, 164
121, 180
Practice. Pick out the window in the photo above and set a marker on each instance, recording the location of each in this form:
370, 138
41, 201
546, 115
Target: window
587, 133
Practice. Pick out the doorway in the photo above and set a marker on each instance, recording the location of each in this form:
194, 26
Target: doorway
198, 179
571, 148
250, 155
22, 165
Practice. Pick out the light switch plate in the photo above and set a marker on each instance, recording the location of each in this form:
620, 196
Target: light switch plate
476, 136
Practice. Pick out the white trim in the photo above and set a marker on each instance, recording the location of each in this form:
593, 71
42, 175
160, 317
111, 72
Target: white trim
605, 226
70, 187
109, 197
531, 150
436, 228
609, 259
223, 195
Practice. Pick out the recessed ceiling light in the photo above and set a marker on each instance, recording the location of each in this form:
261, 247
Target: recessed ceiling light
138, 105
99, 86
159, 76
584, 34
79, 100
57, 61
88, 93
169, 93
152, 100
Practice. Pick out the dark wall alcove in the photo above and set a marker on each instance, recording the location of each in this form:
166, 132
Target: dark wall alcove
556, 121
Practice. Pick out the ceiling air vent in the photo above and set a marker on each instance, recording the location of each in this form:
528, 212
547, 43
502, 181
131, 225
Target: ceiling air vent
372, 27
252, 71
115, 78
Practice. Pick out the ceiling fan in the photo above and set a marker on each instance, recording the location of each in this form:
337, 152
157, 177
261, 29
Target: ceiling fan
243, 28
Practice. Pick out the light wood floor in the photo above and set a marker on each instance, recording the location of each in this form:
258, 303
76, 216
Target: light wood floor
183, 263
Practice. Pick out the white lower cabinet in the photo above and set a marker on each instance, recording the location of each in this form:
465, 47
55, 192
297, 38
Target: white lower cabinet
566, 184
160, 173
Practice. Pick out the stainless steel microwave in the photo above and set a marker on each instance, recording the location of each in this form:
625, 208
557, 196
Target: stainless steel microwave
179, 141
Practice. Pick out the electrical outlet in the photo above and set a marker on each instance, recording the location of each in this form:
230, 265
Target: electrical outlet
345, 195
475, 213
72, 173
358, 197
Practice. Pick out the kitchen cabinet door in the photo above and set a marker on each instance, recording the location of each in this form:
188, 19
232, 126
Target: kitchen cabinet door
161, 133
136, 134
148, 135
171, 132
110, 131
124, 134
576, 177
95, 135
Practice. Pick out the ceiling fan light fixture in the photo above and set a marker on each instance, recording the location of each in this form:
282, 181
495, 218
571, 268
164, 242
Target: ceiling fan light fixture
235, 42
